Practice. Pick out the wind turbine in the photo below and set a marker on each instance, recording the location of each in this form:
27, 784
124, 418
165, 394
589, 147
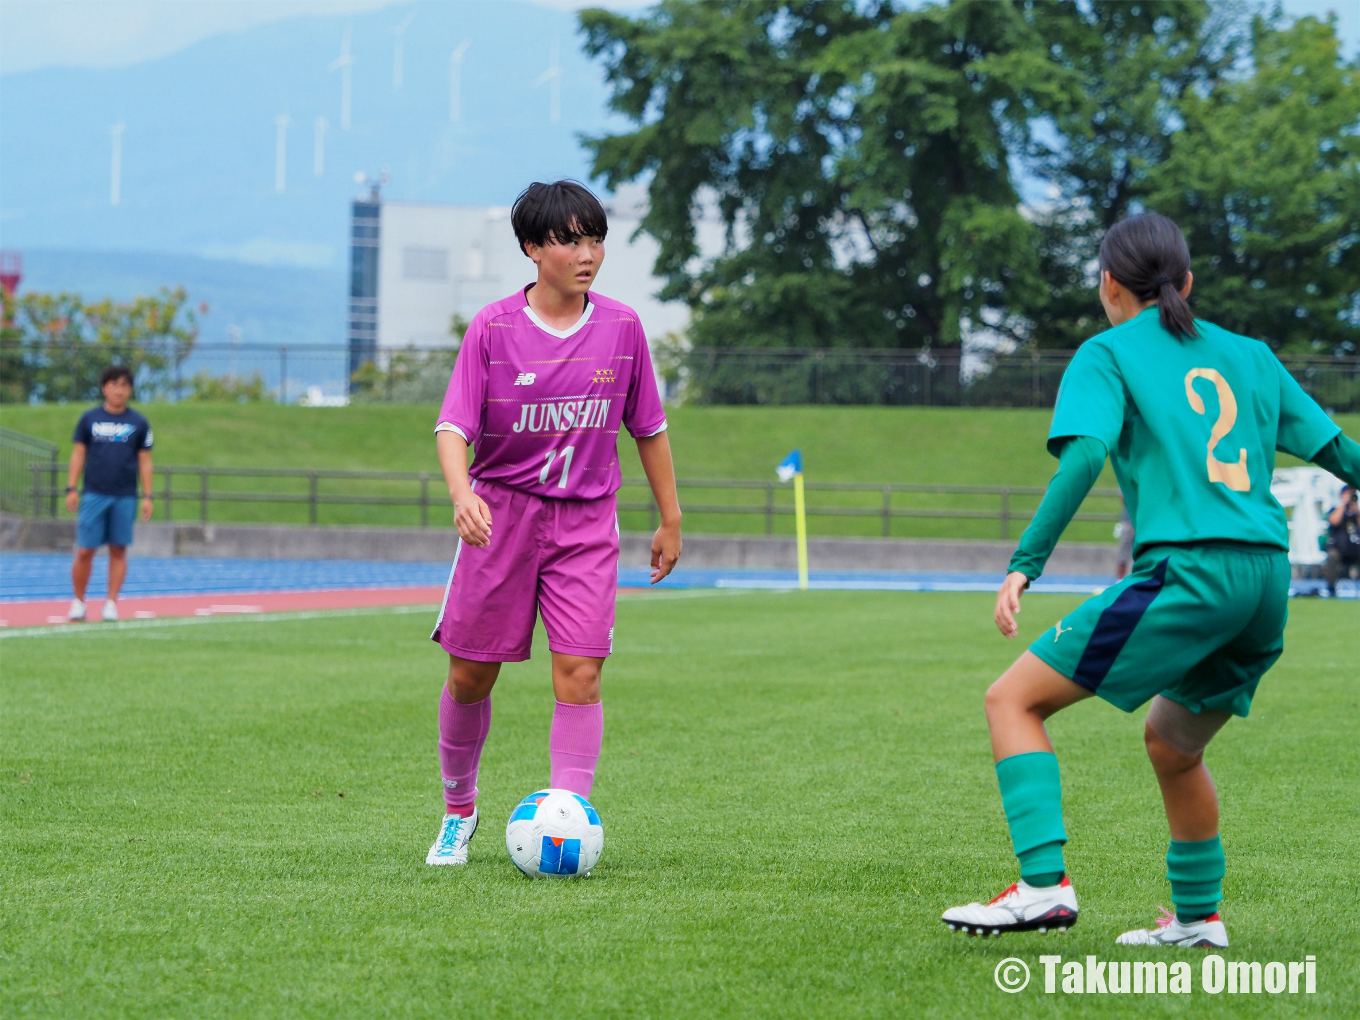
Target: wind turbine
281, 123
456, 81
116, 166
319, 146
553, 75
344, 63
397, 48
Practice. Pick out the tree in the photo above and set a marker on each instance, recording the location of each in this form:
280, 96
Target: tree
58, 344
1265, 181
229, 389
411, 375
1135, 63
856, 154
865, 161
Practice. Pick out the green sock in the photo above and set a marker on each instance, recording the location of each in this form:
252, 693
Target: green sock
1196, 872
1031, 793
1044, 880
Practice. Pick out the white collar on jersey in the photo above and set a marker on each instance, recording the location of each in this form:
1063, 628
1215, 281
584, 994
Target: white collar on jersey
561, 334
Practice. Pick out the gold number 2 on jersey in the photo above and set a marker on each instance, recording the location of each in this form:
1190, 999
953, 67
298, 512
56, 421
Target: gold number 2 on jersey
1234, 476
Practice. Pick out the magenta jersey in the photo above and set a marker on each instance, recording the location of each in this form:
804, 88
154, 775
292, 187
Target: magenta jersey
543, 407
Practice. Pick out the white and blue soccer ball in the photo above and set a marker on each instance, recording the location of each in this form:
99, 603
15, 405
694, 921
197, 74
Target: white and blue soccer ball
554, 834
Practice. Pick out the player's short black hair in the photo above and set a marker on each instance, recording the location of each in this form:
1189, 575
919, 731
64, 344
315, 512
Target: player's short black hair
1147, 253
562, 211
114, 372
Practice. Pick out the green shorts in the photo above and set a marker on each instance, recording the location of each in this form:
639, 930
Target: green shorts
1199, 624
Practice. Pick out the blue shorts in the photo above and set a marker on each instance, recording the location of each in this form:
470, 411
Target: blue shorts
105, 520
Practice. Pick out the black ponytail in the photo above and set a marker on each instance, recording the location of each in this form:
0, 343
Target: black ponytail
1147, 254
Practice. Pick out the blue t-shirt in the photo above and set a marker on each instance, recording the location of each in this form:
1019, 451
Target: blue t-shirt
112, 442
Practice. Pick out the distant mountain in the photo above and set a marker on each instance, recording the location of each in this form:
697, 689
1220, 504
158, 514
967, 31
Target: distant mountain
199, 136
268, 304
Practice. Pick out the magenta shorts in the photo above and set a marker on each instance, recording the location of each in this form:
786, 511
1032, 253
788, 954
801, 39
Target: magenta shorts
559, 557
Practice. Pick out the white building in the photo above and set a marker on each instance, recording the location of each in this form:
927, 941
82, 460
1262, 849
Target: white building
415, 266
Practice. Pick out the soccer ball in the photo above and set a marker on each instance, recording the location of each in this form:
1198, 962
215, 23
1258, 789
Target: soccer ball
554, 834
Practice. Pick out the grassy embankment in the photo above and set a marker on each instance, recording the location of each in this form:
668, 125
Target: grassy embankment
946, 446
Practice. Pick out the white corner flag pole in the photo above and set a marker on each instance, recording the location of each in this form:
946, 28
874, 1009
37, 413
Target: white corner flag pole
800, 522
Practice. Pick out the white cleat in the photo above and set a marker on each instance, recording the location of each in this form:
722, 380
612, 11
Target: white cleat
1206, 934
110, 612
454, 835
76, 614
1021, 907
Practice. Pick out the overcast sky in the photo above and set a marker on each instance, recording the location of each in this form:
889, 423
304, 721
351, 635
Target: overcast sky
111, 33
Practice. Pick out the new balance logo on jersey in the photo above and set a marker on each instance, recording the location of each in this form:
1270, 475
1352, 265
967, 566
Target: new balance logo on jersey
525, 379
112, 431
1059, 631
560, 415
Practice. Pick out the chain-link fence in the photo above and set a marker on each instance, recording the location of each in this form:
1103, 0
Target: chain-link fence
322, 374
949, 378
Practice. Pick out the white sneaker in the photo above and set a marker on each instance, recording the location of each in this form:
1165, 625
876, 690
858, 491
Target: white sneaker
454, 835
76, 614
1206, 934
1021, 907
110, 613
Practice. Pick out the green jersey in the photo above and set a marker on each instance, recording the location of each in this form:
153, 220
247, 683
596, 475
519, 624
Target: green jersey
1191, 427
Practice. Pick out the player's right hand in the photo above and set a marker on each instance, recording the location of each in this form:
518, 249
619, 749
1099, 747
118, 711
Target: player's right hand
472, 518
73, 501
1008, 603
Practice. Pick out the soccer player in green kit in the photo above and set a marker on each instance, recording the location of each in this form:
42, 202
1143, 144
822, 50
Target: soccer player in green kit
1191, 417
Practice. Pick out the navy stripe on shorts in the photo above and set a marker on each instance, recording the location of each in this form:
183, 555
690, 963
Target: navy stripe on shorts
1115, 626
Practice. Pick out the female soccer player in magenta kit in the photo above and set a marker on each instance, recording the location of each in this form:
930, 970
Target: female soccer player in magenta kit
1191, 417
544, 381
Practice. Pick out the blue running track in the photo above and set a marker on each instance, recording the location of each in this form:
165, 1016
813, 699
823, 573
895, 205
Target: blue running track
33, 577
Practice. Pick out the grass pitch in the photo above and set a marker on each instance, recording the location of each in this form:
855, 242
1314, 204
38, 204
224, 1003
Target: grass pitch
230, 818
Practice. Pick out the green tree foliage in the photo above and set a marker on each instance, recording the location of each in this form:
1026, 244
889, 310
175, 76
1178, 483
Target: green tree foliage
404, 376
1134, 63
409, 375
857, 157
55, 345
230, 389
865, 159
1265, 181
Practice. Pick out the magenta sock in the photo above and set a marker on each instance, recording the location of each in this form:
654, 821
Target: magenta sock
462, 732
574, 746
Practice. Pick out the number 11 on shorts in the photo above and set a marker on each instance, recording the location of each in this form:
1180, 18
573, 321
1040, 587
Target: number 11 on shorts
548, 462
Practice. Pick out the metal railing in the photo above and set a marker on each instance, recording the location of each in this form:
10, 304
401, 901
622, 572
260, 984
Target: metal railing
885, 509
191, 493
24, 460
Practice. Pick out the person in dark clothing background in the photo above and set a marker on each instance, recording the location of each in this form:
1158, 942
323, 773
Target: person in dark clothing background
112, 447
1343, 539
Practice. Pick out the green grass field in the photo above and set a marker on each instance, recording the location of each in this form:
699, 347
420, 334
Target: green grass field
229, 819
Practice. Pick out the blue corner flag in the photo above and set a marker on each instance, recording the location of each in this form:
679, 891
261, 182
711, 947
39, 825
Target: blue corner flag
790, 466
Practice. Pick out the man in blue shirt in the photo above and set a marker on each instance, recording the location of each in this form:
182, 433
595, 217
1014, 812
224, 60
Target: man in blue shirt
112, 446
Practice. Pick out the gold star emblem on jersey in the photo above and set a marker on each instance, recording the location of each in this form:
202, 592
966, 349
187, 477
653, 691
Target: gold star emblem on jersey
604, 375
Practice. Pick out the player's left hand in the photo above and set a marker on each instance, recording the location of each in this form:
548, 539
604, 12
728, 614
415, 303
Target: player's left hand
666, 545
1008, 603
146, 508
